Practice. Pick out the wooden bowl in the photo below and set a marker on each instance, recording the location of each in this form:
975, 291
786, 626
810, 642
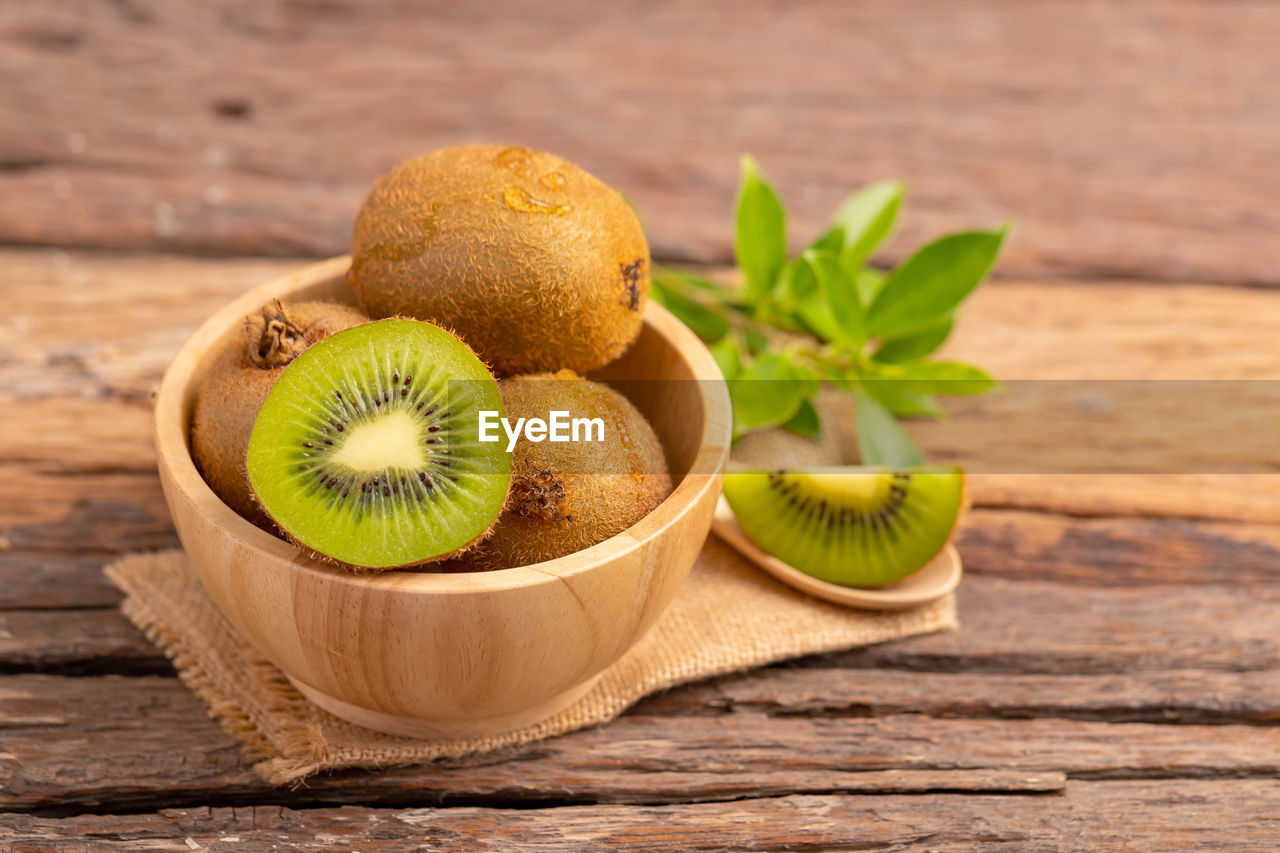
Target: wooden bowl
453, 655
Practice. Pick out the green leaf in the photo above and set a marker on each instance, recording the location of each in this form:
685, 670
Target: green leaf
870, 283
831, 241
760, 236
903, 402
805, 422
756, 342
804, 375
671, 277
841, 295
809, 300
915, 345
816, 314
796, 285
705, 322
932, 282
801, 281
765, 394
881, 440
725, 352
940, 377
866, 218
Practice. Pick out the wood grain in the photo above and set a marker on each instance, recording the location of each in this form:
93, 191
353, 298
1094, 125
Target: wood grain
1121, 816
77, 743
1119, 551
1153, 157
1010, 625
1160, 696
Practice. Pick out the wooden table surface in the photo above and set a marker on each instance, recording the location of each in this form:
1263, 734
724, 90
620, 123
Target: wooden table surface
1115, 682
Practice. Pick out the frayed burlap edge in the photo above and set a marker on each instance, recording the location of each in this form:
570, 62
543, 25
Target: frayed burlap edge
728, 617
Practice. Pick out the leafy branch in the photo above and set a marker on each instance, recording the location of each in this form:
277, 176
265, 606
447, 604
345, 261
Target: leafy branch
827, 318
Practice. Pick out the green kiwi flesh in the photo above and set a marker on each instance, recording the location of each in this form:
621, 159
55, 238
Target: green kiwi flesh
854, 526
366, 449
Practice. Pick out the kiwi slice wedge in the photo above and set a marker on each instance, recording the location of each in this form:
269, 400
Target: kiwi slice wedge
854, 526
366, 450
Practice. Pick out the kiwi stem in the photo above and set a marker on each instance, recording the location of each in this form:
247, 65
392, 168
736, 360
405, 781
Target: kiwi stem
536, 493
281, 340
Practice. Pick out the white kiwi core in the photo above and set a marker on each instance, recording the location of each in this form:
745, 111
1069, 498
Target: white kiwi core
393, 440
862, 489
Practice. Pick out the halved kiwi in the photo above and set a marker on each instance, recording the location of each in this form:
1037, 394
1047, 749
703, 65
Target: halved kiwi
366, 450
855, 526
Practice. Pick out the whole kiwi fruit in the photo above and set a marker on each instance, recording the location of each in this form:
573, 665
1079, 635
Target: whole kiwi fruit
232, 392
532, 261
566, 496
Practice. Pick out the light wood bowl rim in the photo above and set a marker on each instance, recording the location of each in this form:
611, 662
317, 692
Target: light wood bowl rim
174, 455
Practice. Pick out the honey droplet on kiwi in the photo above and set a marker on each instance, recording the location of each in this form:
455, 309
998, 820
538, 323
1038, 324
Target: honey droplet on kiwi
518, 199
553, 181
515, 159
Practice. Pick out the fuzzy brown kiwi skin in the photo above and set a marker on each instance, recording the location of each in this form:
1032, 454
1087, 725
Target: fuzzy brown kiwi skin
237, 383
558, 504
438, 239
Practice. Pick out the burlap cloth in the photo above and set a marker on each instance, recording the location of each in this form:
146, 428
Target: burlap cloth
728, 617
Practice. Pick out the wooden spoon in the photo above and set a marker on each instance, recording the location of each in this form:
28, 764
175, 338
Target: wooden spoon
938, 577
